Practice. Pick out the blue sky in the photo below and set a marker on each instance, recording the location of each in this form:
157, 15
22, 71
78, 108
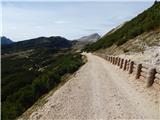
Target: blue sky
25, 20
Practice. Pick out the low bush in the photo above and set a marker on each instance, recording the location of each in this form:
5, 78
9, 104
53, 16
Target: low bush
16, 102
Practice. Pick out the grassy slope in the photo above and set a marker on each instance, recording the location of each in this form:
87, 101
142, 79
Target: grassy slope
22, 86
146, 21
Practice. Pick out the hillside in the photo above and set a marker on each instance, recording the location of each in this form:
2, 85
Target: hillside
5, 41
143, 48
32, 68
38, 43
144, 22
80, 43
90, 38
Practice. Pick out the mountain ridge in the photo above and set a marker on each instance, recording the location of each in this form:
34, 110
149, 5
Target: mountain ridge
54, 42
90, 38
5, 41
80, 43
144, 22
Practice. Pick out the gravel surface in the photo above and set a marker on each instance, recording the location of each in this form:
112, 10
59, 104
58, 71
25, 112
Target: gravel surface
100, 90
151, 56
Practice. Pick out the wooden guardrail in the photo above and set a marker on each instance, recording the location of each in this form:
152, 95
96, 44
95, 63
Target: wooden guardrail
149, 74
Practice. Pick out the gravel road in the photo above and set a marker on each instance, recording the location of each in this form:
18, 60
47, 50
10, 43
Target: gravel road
101, 91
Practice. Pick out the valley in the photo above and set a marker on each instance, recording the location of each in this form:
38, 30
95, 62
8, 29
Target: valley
32, 68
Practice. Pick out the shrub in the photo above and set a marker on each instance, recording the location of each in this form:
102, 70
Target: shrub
17, 101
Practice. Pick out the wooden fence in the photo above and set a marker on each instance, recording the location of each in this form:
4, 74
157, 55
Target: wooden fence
147, 73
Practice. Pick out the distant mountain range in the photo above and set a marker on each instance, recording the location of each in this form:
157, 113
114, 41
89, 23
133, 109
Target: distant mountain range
55, 43
5, 41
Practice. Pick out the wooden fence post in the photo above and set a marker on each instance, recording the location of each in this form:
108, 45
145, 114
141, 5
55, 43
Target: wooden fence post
128, 64
151, 77
121, 64
138, 71
119, 61
116, 60
113, 61
131, 67
125, 65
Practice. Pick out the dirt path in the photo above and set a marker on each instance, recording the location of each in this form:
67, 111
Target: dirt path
100, 90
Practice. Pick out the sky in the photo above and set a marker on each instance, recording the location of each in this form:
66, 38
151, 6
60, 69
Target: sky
72, 20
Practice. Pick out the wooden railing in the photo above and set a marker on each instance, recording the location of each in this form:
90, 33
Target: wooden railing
148, 73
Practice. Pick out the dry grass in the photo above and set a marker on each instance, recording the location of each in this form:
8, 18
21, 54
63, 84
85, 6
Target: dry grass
138, 44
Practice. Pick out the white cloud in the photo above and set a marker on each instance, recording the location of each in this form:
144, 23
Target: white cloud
26, 20
61, 22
